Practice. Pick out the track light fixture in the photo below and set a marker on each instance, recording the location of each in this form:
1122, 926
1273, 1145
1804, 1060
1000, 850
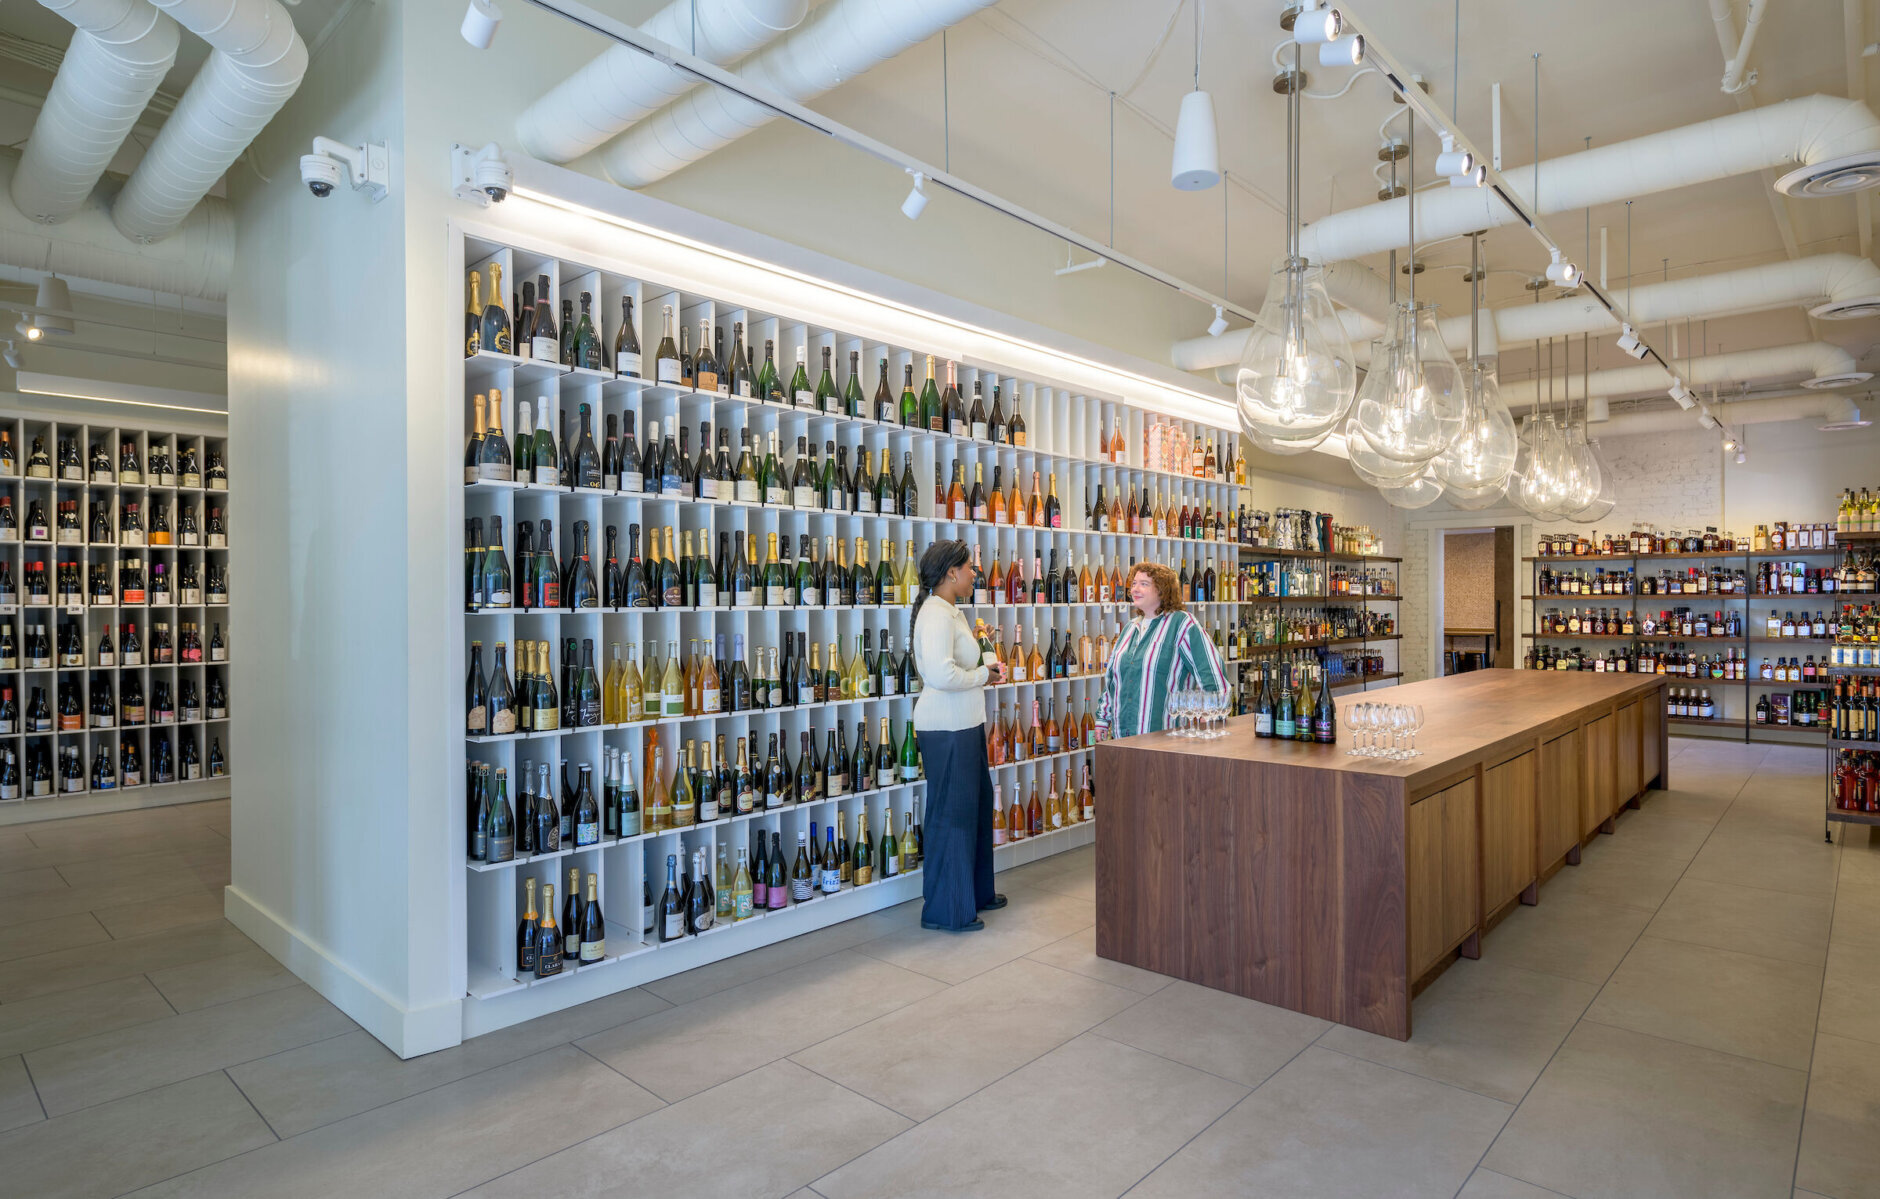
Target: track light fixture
1453, 161
480, 21
1316, 23
1741, 457
1682, 394
1347, 51
1705, 419
1729, 444
916, 202
12, 355
28, 330
1629, 342
1562, 272
1218, 325
1476, 178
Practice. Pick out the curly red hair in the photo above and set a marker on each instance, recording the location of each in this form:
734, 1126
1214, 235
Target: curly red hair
1168, 587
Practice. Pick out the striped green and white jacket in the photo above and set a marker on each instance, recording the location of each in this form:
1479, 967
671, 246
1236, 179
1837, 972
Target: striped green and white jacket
1152, 658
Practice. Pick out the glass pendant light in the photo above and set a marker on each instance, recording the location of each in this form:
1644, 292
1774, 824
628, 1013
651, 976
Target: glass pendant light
1412, 404
1372, 466
1422, 490
1476, 465
1296, 377
1607, 496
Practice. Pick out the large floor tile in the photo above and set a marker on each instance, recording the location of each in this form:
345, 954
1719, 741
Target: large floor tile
1482, 1026
1078, 954
1574, 936
1486, 1184
684, 1050
172, 911
437, 1143
1087, 1119
45, 936
681, 1151
938, 1050
1612, 872
116, 1147
736, 970
1238, 1039
69, 1015
1657, 831
1621, 1115
1848, 989
19, 1104
956, 957
1332, 1125
1682, 801
329, 1080
1734, 1002
69, 969
1840, 1152
114, 1064
67, 901
90, 872
221, 979
1771, 924
1756, 857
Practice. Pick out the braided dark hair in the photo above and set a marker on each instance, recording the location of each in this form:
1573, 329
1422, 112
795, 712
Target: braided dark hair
939, 559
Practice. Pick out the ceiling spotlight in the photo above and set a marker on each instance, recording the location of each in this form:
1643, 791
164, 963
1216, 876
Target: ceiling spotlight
1729, 444
1629, 342
1598, 408
1347, 51
479, 23
1741, 457
1562, 272
916, 202
1453, 161
1197, 162
28, 330
1315, 23
12, 355
1218, 325
1476, 178
1682, 394
1705, 419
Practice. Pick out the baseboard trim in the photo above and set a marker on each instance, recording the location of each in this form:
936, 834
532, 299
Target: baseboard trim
405, 1031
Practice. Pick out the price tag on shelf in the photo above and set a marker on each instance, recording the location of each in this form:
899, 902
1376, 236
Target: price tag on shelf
74, 609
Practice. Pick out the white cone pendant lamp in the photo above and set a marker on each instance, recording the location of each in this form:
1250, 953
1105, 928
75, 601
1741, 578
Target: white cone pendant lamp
1197, 163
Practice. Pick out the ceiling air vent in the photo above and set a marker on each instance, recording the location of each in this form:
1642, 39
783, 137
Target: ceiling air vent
1836, 177
1844, 379
1855, 309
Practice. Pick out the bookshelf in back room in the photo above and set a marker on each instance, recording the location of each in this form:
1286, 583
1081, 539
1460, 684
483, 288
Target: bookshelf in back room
1065, 460
1749, 605
114, 616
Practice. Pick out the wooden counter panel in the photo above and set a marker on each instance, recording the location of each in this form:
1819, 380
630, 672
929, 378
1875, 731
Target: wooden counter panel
1652, 752
1509, 800
1596, 782
1628, 755
1374, 954
1557, 807
1445, 899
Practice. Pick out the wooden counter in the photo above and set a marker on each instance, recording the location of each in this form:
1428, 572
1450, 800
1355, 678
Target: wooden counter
1301, 876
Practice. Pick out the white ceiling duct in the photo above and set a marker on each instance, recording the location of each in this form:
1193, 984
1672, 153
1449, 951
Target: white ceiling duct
1223, 352
1814, 406
1806, 132
195, 261
1825, 365
1837, 286
842, 40
120, 51
622, 85
258, 63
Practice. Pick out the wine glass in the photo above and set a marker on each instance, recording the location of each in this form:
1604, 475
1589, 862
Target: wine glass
1353, 722
1416, 722
1400, 731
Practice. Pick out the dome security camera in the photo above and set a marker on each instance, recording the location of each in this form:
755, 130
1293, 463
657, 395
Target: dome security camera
481, 176
367, 168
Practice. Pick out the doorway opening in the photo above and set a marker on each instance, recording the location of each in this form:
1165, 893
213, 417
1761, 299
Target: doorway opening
1478, 615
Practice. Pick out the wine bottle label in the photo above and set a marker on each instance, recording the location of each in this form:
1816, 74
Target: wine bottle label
707, 488
71, 537
500, 849
544, 349
812, 597
192, 479
216, 713
747, 491
72, 474
218, 484
192, 771
669, 371
831, 880
803, 497
864, 502
773, 595
674, 924
805, 399
37, 532
709, 698
777, 495
485, 470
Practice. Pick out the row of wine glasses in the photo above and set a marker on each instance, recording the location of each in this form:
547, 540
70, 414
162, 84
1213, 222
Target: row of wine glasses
1197, 712
1387, 731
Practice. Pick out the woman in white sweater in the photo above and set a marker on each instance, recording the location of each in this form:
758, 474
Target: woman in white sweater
950, 723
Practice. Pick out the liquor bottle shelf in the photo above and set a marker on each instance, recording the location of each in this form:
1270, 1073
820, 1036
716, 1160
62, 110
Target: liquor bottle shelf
1284, 646
1267, 551
1715, 721
1365, 680
1766, 639
1842, 816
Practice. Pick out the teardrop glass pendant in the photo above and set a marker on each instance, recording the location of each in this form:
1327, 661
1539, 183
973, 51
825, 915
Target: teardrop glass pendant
1413, 400
1296, 377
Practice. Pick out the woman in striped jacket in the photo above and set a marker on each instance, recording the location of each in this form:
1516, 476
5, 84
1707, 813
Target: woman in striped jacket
1162, 649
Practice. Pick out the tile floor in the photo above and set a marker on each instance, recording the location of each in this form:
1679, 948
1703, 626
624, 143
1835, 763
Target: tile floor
1691, 1012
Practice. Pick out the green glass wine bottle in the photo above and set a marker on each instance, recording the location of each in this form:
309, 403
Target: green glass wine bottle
828, 399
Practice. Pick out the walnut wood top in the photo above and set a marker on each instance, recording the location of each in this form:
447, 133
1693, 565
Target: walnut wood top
1468, 717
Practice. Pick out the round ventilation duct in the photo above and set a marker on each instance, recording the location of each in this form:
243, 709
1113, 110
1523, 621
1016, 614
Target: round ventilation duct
1835, 177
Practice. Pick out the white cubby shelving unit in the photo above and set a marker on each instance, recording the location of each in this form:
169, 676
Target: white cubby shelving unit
1067, 432
104, 494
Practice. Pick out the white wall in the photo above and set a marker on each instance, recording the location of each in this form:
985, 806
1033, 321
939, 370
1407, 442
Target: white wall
322, 849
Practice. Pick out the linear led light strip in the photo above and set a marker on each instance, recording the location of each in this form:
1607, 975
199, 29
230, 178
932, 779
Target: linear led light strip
711, 73
1400, 80
105, 392
557, 188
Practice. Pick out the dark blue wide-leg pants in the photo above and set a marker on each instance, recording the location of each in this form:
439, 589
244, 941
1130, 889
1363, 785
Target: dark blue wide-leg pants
956, 850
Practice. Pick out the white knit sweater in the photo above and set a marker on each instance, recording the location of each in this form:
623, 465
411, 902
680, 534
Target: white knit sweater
952, 693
